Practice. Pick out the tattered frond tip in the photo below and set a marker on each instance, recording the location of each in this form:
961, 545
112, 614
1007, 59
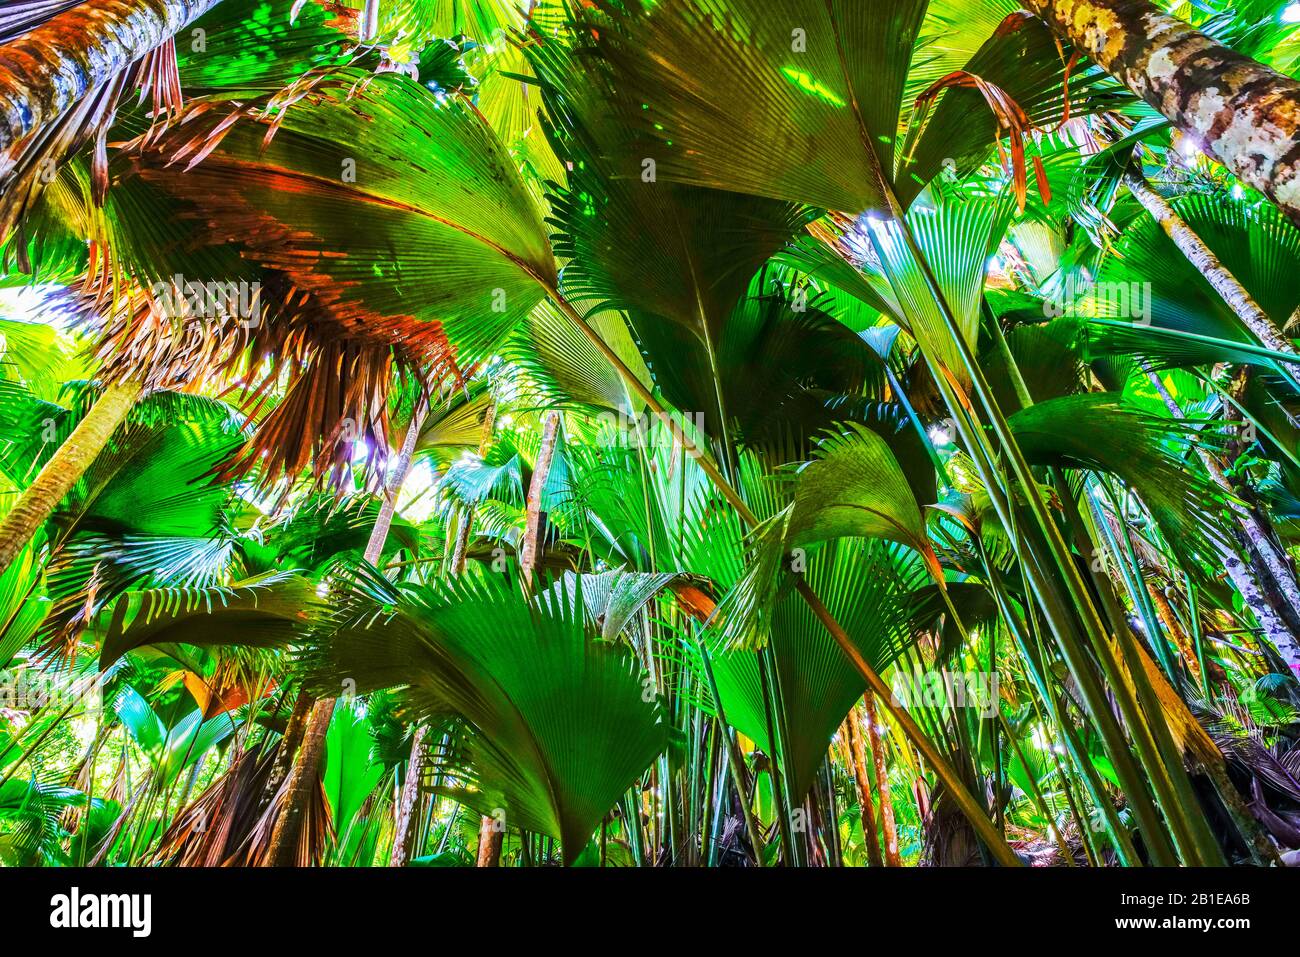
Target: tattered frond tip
1012, 123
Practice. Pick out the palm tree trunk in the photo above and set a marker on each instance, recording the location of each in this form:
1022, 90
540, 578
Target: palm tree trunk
66, 466
1208, 265
384, 521
490, 839
1239, 111
1251, 579
48, 70
285, 836
533, 504
460, 553
887, 826
858, 762
289, 741
410, 800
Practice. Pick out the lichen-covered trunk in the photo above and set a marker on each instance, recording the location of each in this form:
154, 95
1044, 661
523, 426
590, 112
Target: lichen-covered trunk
1229, 288
64, 468
285, 837
410, 800
1236, 109
47, 71
287, 834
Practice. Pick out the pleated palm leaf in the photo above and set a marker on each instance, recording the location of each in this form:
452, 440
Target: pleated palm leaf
675, 259
453, 255
266, 611
957, 234
31, 812
826, 81
315, 532
611, 600
146, 513
853, 488
1100, 432
1253, 240
865, 585
560, 726
169, 750
22, 602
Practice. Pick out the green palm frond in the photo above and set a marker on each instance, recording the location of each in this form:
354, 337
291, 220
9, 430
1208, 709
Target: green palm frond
865, 585
529, 678
853, 488
266, 611
822, 80
1100, 432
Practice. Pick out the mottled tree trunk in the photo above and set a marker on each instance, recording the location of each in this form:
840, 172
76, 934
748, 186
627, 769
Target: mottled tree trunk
46, 71
533, 504
1208, 265
1265, 567
285, 836
858, 762
409, 802
1239, 111
64, 468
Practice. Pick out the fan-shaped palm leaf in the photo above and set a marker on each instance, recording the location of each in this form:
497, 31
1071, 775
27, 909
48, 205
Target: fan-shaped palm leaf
528, 678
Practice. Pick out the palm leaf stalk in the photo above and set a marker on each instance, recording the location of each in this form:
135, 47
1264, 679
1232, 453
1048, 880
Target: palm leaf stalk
846, 172
735, 761
1064, 612
1087, 543
1175, 786
1031, 652
1209, 757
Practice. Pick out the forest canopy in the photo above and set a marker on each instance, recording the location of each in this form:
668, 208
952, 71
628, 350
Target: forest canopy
640, 433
